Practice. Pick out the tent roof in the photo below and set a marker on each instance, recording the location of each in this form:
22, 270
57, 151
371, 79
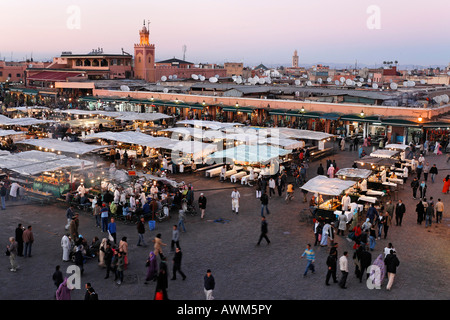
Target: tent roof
251, 153
60, 145
354, 173
327, 186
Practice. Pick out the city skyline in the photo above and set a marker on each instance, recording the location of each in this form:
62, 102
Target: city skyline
253, 32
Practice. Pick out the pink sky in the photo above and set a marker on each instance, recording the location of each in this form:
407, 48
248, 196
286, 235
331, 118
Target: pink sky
229, 30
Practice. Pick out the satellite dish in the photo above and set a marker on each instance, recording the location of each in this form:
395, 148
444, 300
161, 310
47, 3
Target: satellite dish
305, 76
337, 82
165, 90
297, 82
170, 77
319, 80
238, 80
342, 79
359, 84
30, 66
202, 78
375, 86
361, 79
217, 76
405, 83
174, 76
369, 80
412, 83
348, 82
124, 88
268, 81
194, 76
163, 78
309, 83
422, 81
438, 99
213, 79
329, 80
393, 86
445, 98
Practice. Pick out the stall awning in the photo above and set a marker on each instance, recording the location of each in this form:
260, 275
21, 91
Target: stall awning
400, 123
53, 76
250, 153
437, 124
330, 116
354, 173
238, 109
27, 91
327, 186
63, 146
295, 113
358, 118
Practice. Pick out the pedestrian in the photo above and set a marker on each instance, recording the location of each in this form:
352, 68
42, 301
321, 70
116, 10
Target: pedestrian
419, 170
446, 187
378, 276
158, 245
415, 186
387, 223
120, 266
388, 249
70, 213
202, 204
64, 291
429, 215
258, 187
3, 193
152, 268
343, 266
175, 238
318, 226
96, 213
87, 293
66, 245
101, 253
112, 230
433, 172
177, 264
332, 267
79, 259
372, 238
162, 283
123, 247
235, 197
19, 239
264, 231
310, 258
420, 210
426, 170
320, 170
73, 227
325, 234
57, 277
12, 250
390, 208
423, 189
141, 231
272, 186
181, 219
439, 210
366, 261
392, 263
264, 203
209, 285
109, 253
104, 214
399, 211
28, 240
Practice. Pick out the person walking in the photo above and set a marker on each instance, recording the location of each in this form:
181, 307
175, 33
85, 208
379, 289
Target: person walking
28, 240
415, 186
446, 186
399, 212
120, 266
202, 204
112, 229
57, 277
439, 210
3, 193
392, 263
264, 231
141, 231
310, 258
96, 212
64, 291
422, 189
332, 267
209, 285
343, 266
12, 249
342, 223
66, 245
386, 224
70, 213
19, 239
104, 214
264, 203
235, 197
177, 264
101, 253
429, 215
158, 245
90, 293
152, 268
272, 185
181, 219
420, 210
109, 253
175, 238
123, 247
426, 170
433, 172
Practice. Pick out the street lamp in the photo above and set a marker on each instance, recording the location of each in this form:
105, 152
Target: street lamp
362, 113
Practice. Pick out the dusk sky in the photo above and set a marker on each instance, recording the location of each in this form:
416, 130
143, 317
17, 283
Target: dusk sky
250, 31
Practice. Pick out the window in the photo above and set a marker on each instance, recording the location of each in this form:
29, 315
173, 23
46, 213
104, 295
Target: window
87, 63
79, 63
95, 63
104, 63
18, 75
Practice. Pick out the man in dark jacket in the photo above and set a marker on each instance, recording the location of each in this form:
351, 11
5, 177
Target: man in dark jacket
141, 231
332, 265
264, 231
399, 211
320, 170
209, 285
108, 258
19, 239
202, 204
177, 264
264, 203
391, 261
415, 186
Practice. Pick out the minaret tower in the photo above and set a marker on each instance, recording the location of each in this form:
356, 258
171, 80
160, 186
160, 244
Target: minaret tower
144, 57
295, 60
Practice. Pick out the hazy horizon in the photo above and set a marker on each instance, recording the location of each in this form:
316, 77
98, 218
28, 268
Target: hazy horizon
252, 32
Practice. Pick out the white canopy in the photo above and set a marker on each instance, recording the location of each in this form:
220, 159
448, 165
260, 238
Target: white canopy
216, 125
299, 134
64, 146
5, 121
383, 153
354, 173
134, 116
5, 133
89, 122
35, 162
396, 146
328, 186
251, 153
282, 142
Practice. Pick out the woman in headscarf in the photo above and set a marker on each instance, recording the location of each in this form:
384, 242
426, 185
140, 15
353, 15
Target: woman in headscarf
330, 171
325, 233
378, 271
152, 267
63, 291
446, 184
101, 253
